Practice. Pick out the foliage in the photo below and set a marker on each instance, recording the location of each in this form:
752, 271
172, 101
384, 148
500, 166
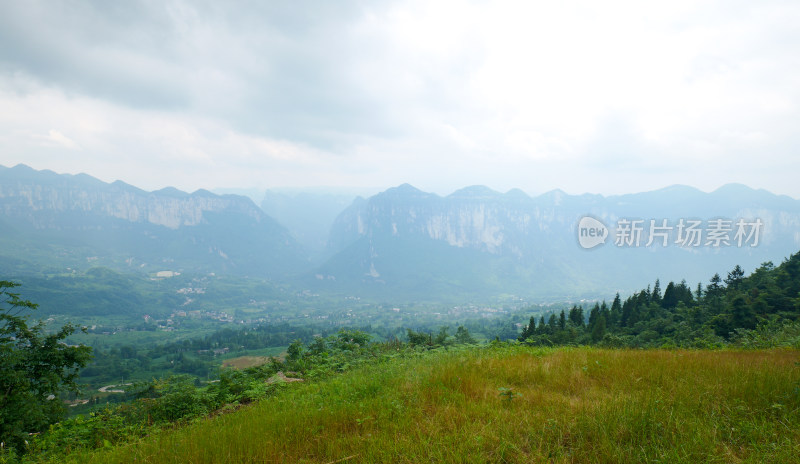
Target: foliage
182, 398
577, 405
34, 369
758, 311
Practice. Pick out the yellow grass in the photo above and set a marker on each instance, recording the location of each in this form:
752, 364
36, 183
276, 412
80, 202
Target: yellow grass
560, 405
243, 362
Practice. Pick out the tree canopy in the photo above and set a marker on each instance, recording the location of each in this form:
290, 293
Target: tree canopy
35, 367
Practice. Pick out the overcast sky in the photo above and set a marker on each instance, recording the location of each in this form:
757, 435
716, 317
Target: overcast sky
601, 97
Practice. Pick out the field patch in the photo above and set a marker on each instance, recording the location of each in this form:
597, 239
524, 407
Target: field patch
243, 362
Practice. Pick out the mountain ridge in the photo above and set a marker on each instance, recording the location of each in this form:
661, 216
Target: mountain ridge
84, 217
528, 245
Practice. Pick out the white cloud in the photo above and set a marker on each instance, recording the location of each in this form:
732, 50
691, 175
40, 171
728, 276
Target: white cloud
610, 97
56, 138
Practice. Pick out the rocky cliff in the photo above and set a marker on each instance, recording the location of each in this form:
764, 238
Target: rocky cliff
477, 239
85, 220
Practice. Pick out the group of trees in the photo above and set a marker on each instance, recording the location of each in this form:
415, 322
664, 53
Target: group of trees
36, 367
679, 316
442, 338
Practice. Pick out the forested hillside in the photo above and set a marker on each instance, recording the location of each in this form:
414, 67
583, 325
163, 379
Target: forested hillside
724, 309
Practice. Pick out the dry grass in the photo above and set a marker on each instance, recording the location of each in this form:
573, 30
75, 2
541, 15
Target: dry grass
243, 362
576, 405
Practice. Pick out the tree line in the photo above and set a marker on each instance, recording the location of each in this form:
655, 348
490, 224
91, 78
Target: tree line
679, 316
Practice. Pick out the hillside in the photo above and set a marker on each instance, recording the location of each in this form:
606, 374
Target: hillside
54, 223
512, 405
444, 398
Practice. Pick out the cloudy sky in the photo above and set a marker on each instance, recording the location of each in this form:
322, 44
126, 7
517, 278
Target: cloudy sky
601, 97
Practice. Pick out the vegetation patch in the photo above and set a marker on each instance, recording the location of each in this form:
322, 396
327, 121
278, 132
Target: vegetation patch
512, 404
243, 362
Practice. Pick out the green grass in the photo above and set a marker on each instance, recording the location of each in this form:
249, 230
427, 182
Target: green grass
512, 404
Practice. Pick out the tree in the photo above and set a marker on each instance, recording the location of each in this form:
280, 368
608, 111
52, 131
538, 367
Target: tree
670, 299
743, 315
527, 331
593, 315
713, 295
419, 338
615, 315
295, 350
735, 277
576, 316
35, 367
599, 329
552, 324
441, 337
542, 327
656, 296
463, 336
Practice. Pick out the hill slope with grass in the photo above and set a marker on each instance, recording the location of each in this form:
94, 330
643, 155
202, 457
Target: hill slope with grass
506, 403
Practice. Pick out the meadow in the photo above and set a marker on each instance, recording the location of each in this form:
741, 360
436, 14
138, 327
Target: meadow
510, 404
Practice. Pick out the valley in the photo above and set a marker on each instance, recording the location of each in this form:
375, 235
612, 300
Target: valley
196, 305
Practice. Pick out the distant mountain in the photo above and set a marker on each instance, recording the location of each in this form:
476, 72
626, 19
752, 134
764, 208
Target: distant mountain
308, 215
402, 244
50, 222
478, 243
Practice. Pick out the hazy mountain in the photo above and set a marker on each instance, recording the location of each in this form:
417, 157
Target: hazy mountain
49, 222
401, 244
480, 243
308, 215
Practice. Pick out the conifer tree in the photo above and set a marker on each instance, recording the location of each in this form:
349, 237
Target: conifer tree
599, 329
670, 299
655, 297
576, 316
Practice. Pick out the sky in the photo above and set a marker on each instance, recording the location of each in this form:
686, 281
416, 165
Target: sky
601, 97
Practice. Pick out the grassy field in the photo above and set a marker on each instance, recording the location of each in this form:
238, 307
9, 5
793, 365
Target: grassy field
512, 404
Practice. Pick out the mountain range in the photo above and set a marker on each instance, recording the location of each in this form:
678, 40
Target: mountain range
476, 241
50, 222
402, 244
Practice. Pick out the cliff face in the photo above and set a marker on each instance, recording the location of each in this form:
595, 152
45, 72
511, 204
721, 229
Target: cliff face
474, 217
23, 193
81, 218
530, 244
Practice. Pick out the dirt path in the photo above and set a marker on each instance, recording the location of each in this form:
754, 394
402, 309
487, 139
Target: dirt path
106, 388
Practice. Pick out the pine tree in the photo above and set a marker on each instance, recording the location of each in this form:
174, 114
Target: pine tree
593, 315
529, 330
615, 318
714, 294
599, 329
552, 324
670, 299
742, 314
655, 297
576, 316
735, 277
